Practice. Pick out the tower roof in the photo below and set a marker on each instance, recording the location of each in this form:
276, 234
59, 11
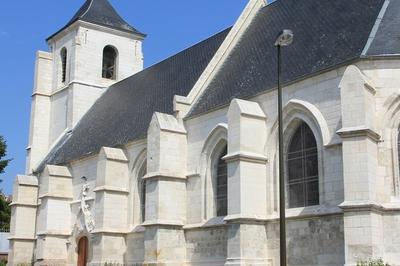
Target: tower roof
100, 12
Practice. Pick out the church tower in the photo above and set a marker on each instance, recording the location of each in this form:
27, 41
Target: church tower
93, 51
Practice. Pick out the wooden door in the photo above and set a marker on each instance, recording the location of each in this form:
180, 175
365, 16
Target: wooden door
83, 246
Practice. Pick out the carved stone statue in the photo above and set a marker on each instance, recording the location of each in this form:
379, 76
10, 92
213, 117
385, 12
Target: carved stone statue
87, 214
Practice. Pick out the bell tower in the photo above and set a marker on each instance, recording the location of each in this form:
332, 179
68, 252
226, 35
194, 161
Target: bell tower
94, 50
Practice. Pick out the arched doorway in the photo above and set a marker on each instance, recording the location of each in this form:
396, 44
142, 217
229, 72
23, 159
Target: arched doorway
83, 246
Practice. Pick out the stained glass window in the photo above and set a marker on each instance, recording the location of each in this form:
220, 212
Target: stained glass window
302, 162
222, 186
142, 192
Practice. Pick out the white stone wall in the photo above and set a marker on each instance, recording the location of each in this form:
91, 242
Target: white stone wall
325, 96
391, 238
58, 106
84, 168
137, 151
135, 248
23, 220
366, 233
40, 111
323, 92
353, 112
88, 168
59, 115
313, 241
384, 76
81, 99
206, 246
89, 54
198, 132
65, 40
317, 235
84, 82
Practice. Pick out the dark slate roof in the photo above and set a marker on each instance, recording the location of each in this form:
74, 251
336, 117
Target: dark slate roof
100, 12
387, 39
123, 113
328, 33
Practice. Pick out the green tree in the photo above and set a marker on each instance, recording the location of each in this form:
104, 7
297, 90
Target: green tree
372, 262
5, 210
5, 213
3, 153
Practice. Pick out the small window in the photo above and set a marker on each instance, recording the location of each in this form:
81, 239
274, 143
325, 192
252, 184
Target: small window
109, 63
221, 192
142, 192
302, 162
63, 64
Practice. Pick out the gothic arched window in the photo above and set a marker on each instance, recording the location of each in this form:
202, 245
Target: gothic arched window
142, 192
302, 164
63, 55
109, 62
221, 185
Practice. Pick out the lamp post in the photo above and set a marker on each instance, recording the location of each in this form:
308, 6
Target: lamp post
285, 38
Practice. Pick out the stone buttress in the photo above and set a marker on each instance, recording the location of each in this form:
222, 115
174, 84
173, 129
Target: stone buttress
362, 185
111, 207
54, 216
166, 191
23, 220
247, 188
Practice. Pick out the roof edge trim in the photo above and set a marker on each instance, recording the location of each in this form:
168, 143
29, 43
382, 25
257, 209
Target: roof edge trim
375, 28
234, 35
74, 24
87, 10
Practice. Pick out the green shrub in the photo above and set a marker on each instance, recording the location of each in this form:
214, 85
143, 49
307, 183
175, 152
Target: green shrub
372, 262
3, 263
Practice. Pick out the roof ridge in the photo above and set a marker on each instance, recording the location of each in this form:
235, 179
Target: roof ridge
87, 10
383, 40
375, 28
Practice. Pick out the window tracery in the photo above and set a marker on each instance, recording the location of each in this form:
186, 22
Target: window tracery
302, 165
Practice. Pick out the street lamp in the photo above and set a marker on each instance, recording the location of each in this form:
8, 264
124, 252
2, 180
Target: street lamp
285, 38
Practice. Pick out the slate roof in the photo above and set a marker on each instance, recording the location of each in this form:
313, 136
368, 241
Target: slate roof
326, 34
123, 113
387, 39
100, 12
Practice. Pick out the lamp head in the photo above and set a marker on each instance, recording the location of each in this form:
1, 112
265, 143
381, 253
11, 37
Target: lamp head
285, 38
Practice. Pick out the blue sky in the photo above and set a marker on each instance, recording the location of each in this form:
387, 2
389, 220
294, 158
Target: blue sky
24, 25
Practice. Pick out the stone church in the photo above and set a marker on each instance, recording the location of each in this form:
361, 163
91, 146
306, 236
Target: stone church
176, 164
